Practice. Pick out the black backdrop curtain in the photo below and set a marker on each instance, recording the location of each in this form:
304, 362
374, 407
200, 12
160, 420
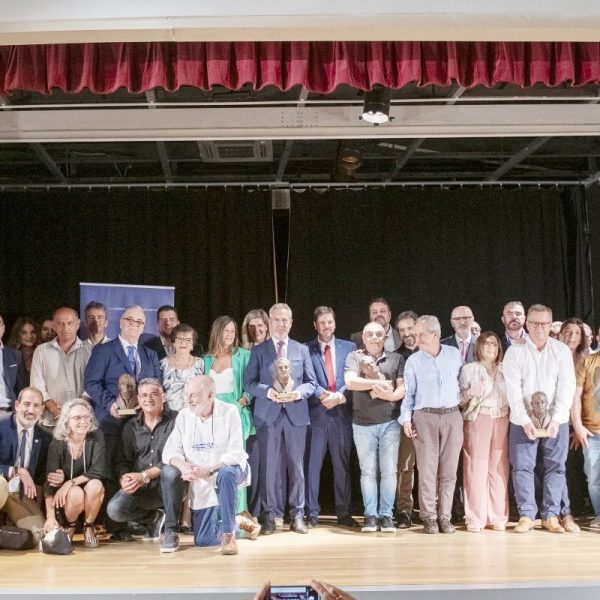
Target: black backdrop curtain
215, 247
428, 250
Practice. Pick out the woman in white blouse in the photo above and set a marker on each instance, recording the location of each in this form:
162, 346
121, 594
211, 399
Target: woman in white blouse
485, 449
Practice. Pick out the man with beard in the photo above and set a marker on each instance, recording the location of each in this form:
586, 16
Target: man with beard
96, 323
513, 318
405, 324
461, 319
166, 318
380, 312
23, 453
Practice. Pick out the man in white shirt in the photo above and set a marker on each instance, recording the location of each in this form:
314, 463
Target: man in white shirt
206, 448
541, 364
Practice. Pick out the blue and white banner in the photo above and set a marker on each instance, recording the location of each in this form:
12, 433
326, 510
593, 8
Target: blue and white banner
117, 298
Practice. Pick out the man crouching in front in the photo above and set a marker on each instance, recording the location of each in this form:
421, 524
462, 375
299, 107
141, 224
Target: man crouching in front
206, 447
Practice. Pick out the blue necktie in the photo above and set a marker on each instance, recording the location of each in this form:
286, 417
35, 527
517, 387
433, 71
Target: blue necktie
131, 357
22, 449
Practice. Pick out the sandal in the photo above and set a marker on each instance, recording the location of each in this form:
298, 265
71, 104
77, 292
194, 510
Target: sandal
90, 539
70, 529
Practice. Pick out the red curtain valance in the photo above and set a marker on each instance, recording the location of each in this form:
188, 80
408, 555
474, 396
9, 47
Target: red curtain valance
319, 66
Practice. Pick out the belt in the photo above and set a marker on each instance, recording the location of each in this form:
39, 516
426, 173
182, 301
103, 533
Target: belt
440, 411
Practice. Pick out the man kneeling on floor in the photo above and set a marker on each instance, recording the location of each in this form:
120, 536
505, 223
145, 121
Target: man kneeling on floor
207, 449
141, 471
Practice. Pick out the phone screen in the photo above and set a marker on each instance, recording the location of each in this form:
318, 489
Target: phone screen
293, 592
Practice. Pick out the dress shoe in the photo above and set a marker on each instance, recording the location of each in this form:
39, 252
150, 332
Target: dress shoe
569, 524
248, 524
404, 520
445, 525
524, 525
430, 526
228, 544
298, 525
348, 521
268, 528
312, 522
552, 525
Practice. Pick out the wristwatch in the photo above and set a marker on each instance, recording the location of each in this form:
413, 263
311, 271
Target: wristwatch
145, 477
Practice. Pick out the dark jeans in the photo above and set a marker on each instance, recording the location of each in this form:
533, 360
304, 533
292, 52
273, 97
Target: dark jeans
168, 493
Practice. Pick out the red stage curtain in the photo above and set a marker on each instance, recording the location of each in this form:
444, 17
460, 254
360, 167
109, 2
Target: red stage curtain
319, 66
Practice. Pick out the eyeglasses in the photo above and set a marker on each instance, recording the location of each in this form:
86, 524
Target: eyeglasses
184, 340
134, 322
539, 323
79, 418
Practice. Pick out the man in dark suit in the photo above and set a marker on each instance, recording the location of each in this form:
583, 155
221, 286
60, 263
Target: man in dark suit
330, 419
23, 453
380, 312
166, 318
281, 417
513, 319
108, 362
12, 373
461, 319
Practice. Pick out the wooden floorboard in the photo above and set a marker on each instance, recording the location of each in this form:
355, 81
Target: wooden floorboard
334, 554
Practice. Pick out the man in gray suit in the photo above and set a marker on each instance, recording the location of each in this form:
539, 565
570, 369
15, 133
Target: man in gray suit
461, 319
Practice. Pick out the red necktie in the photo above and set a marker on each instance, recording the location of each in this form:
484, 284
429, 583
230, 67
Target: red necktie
329, 368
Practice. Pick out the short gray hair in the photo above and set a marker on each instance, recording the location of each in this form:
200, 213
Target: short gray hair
150, 381
433, 324
61, 429
280, 306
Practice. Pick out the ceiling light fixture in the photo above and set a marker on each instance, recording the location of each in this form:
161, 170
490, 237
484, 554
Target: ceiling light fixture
376, 109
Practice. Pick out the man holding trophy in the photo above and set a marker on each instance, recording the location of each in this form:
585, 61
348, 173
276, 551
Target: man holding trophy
540, 385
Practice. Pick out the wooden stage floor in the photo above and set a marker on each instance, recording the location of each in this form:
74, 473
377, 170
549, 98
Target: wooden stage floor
337, 555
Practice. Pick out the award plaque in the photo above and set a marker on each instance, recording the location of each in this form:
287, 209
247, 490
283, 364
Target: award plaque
538, 412
283, 383
127, 403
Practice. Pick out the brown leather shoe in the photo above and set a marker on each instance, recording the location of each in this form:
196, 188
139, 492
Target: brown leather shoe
524, 525
552, 525
569, 524
228, 544
248, 524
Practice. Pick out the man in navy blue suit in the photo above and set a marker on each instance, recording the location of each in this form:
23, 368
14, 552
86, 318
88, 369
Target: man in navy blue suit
12, 373
124, 354
281, 417
330, 419
23, 453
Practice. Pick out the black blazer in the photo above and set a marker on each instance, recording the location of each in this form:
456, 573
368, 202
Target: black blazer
451, 341
15, 374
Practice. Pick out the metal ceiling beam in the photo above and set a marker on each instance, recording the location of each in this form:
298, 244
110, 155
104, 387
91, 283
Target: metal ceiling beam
161, 147
517, 158
293, 123
287, 149
41, 152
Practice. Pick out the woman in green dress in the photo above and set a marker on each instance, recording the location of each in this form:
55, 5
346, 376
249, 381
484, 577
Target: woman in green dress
225, 364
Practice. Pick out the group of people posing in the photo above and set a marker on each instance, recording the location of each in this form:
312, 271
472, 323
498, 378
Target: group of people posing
157, 434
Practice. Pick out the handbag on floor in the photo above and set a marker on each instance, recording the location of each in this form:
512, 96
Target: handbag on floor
15, 538
56, 542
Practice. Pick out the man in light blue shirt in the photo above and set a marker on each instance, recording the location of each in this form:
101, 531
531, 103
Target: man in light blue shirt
430, 417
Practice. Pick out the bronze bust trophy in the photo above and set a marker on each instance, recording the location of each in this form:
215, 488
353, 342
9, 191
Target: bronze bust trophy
127, 402
283, 383
538, 412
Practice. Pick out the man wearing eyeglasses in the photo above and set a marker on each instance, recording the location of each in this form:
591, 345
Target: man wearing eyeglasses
58, 367
541, 364
124, 354
461, 320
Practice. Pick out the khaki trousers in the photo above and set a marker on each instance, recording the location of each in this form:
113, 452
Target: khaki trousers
23, 512
406, 475
438, 445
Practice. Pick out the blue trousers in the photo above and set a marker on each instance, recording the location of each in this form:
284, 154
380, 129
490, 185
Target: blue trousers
208, 527
522, 453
